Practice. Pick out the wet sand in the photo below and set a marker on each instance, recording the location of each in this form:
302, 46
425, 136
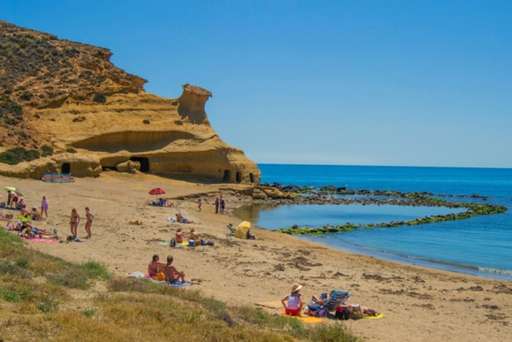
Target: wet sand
419, 304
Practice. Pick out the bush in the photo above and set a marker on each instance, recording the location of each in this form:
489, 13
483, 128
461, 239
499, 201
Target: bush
89, 312
95, 270
46, 150
17, 155
47, 305
74, 278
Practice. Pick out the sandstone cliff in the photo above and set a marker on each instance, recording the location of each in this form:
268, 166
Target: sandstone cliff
65, 107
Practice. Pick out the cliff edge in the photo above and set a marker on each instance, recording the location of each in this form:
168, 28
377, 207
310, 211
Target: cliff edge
64, 107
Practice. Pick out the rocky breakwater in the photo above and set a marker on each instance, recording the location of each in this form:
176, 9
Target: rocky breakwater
345, 196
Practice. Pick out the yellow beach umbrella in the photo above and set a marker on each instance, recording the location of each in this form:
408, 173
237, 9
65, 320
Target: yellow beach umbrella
10, 188
245, 225
241, 230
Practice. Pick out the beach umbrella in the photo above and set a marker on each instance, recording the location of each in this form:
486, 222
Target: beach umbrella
157, 191
245, 225
10, 188
242, 229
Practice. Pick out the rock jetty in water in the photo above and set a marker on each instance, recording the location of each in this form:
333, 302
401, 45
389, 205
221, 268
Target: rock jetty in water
64, 107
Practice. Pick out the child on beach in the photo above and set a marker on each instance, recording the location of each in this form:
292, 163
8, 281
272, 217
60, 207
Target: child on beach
293, 302
89, 217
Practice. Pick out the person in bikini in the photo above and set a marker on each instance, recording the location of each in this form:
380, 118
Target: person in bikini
156, 269
171, 274
73, 223
89, 217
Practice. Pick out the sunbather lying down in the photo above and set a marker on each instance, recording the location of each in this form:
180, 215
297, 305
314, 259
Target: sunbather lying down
335, 305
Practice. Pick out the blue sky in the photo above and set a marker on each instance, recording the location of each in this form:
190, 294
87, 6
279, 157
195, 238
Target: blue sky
341, 82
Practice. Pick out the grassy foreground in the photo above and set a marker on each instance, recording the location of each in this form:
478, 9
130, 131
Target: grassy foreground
47, 298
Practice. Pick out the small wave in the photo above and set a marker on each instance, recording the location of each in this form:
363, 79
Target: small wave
495, 271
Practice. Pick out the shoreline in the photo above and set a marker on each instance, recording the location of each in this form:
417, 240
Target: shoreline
439, 304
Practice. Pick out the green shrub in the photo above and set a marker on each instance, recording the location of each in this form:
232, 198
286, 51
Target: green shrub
47, 305
46, 150
89, 312
74, 278
15, 293
17, 155
95, 270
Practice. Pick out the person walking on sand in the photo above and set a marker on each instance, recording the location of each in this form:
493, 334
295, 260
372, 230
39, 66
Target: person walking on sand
73, 223
217, 205
44, 207
199, 204
89, 217
293, 302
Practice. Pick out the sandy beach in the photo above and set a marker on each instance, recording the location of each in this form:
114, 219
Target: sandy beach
419, 304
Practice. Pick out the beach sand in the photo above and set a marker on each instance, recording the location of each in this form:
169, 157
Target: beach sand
419, 304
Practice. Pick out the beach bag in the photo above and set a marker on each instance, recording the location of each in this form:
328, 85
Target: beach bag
172, 243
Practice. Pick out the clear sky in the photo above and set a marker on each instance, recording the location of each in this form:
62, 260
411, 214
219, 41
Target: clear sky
347, 82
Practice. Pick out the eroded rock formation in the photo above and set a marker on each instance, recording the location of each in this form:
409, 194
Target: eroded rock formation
65, 107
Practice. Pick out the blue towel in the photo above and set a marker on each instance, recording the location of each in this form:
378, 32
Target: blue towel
179, 284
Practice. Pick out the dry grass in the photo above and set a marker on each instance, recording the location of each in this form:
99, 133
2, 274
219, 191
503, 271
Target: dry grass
46, 298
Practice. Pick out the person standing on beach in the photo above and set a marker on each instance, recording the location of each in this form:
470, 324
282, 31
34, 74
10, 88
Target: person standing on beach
89, 217
9, 198
222, 205
44, 207
199, 204
73, 223
217, 205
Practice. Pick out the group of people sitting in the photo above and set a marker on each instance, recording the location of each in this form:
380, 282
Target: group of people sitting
192, 239
15, 201
332, 305
165, 272
161, 202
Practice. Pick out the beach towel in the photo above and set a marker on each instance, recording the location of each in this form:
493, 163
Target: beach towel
377, 316
38, 240
137, 275
306, 319
180, 284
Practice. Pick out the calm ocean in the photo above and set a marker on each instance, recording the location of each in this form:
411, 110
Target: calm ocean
480, 245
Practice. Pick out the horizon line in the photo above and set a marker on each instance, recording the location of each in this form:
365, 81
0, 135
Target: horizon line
384, 165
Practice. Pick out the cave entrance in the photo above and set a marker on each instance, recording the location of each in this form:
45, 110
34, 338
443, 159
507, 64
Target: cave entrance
65, 168
238, 177
144, 163
227, 176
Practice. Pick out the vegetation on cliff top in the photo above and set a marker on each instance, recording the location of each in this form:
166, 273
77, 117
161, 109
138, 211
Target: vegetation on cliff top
46, 298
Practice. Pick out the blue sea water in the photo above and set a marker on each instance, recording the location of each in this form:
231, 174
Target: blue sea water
480, 245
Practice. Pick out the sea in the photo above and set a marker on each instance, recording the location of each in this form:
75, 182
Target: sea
480, 245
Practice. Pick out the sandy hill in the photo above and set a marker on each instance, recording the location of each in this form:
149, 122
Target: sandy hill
64, 107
